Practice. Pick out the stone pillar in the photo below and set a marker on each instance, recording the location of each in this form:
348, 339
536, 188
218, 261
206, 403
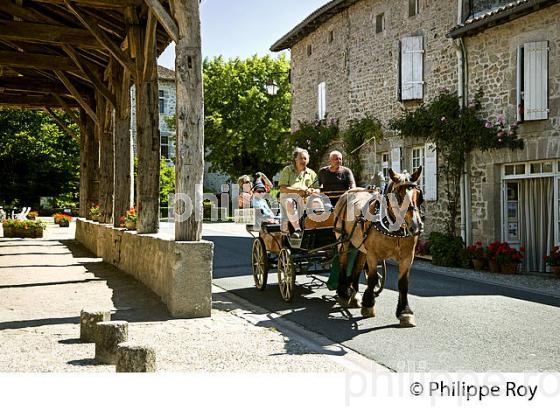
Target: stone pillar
89, 318
84, 158
107, 338
134, 358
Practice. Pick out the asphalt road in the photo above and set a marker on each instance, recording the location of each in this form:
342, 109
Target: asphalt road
462, 325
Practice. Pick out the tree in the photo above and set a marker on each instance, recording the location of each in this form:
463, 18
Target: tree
245, 127
37, 158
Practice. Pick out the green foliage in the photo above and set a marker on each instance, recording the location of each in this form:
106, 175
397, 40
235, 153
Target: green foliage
315, 137
37, 158
447, 250
353, 139
244, 126
456, 131
166, 182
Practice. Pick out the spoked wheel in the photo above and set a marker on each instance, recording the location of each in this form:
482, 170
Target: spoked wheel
259, 261
286, 274
382, 274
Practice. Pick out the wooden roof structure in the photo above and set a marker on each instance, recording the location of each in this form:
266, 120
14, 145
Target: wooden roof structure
82, 56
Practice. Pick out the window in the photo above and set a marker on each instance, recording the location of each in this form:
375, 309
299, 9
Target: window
309, 49
331, 36
412, 68
379, 23
322, 101
532, 81
417, 161
162, 100
385, 165
413, 7
164, 146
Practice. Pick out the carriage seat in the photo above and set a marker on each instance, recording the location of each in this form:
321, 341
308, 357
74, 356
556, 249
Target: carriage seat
270, 228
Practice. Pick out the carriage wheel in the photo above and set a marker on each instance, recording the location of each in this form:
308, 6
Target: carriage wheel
259, 259
382, 274
286, 274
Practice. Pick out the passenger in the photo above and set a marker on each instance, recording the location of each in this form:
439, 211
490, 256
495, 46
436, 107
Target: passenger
259, 202
335, 178
300, 180
245, 186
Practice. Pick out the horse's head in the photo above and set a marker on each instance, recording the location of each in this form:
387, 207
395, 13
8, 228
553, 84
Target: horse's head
404, 186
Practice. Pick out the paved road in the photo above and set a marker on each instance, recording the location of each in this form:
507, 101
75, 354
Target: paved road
463, 325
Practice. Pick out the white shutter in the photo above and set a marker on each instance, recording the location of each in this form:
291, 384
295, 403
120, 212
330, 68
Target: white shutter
396, 159
535, 83
430, 172
322, 100
412, 70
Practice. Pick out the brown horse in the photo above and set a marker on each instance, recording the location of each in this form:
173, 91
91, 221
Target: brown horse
393, 237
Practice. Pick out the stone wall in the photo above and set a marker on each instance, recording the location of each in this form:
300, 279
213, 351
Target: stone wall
179, 272
361, 71
492, 62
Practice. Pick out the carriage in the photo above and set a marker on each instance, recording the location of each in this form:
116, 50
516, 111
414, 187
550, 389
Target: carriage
312, 254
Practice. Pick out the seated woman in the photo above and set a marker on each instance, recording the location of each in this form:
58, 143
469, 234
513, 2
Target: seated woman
245, 186
265, 214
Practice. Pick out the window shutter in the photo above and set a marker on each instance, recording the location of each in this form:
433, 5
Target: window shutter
430, 172
535, 85
412, 70
396, 159
322, 100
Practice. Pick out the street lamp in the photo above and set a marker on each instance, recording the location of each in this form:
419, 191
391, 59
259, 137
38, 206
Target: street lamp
271, 87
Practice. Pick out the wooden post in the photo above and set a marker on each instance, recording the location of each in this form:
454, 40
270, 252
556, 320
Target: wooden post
123, 157
85, 155
147, 140
91, 155
190, 119
105, 160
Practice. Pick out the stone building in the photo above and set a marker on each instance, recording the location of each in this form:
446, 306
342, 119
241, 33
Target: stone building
167, 99
357, 57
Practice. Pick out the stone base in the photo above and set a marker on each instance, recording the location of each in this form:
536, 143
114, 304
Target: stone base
107, 339
88, 323
179, 272
133, 358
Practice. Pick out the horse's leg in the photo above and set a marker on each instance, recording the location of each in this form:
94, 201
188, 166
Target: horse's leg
404, 313
355, 285
342, 289
368, 299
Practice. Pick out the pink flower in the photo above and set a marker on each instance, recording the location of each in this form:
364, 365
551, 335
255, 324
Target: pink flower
488, 124
500, 134
443, 119
501, 118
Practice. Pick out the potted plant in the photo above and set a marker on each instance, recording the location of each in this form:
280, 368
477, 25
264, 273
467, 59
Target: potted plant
553, 260
509, 258
129, 219
491, 254
32, 215
64, 221
94, 213
476, 254
16, 228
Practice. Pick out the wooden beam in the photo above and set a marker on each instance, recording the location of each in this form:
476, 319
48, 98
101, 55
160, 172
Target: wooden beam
109, 4
25, 13
35, 85
36, 61
40, 101
103, 38
149, 46
90, 73
45, 33
83, 103
66, 129
164, 19
67, 109
189, 163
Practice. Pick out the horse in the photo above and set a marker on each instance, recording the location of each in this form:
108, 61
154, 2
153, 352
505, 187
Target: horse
355, 226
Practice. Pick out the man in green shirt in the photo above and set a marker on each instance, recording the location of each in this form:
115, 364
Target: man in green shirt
296, 181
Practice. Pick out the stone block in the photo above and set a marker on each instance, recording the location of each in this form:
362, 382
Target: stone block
107, 338
88, 323
135, 358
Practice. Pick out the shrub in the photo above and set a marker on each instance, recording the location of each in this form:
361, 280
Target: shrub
447, 250
554, 258
476, 251
506, 254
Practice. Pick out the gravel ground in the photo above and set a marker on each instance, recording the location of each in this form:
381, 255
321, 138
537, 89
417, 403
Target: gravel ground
44, 283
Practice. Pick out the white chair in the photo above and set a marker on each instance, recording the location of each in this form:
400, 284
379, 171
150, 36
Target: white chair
24, 212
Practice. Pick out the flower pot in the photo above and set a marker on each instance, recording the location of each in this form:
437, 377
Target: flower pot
130, 225
95, 218
556, 270
8, 232
493, 266
508, 268
64, 223
478, 264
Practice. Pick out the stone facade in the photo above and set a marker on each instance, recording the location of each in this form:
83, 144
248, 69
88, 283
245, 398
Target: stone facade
361, 70
492, 63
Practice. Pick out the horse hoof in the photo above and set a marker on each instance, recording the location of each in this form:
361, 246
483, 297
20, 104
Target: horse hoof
368, 312
353, 303
407, 320
343, 302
